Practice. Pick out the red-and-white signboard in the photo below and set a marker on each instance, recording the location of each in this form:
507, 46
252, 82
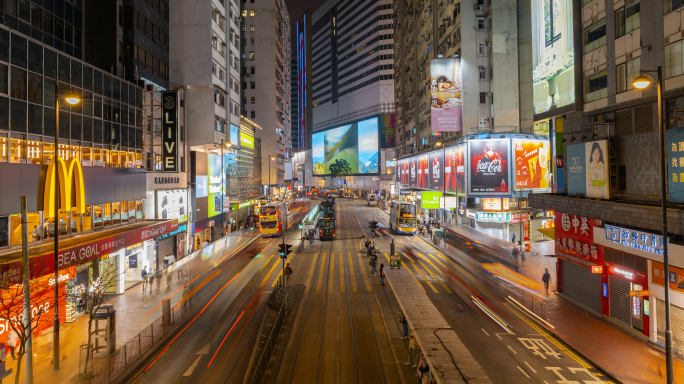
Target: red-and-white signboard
575, 239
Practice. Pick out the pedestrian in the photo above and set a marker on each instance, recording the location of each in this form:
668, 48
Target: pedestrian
404, 321
382, 274
513, 237
372, 263
12, 340
150, 280
288, 275
411, 350
179, 273
158, 277
169, 276
143, 275
522, 257
369, 251
423, 370
546, 279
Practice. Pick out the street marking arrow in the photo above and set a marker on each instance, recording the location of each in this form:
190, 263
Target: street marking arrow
203, 351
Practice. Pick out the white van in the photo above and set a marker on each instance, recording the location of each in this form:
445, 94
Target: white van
372, 200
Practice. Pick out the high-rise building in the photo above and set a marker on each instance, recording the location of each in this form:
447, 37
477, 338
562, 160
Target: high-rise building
266, 45
302, 110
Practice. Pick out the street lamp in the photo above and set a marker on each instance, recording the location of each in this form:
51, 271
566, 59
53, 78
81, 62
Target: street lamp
642, 82
440, 144
70, 98
269, 178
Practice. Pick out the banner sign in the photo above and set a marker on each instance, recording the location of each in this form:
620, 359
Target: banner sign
497, 217
430, 200
676, 279
446, 95
532, 164
489, 167
675, 164
575, 238
170, 136
587, 169
643, 241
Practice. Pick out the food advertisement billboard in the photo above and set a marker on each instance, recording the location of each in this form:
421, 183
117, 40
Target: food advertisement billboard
532, 170
172, 204
215, 175
587, 167
553, 59
355, 143
489, 167
454, 169
436, 167
446, 95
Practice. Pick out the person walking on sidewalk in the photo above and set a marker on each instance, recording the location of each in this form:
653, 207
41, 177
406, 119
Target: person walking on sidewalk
546, 279
382, 274
513, 237
158, 277
169, 276
372, 263
402, 320
12, 340
288, 275
143, 275
411, 350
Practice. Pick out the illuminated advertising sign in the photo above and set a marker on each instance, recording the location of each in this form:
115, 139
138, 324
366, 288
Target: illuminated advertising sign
215, 175
489, 167
644, 241
430, 200
235, 135
355, 143
413, 171
575, 239
496, 217
436, 168
676, 280
172, 204
454, 169
423, 177
170, 136
247, 141
587, 169
675, 164
491, 204
553, 59
532, 164
70, 175
446, 95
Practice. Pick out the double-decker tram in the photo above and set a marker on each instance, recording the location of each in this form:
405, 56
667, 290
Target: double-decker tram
403, 217
273, 219
326, 229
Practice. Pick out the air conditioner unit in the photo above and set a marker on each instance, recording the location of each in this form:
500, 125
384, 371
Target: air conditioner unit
479, 8
490, 94
489, 43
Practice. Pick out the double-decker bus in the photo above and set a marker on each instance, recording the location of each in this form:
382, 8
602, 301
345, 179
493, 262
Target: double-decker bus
403, 217
326, 229
273, 219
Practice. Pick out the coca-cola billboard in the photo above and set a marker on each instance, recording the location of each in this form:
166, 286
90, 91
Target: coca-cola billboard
489, 167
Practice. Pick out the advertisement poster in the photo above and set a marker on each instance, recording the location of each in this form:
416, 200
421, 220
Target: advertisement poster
553, 59
676, 280
446, 95
234, 136
403, 174
675, 164
575, 238
413, 171
587, 169
172, 204
430, 200
215, 175
436, 165
491, 204
489, 167
454, 171
355, 143
423, 171
246, 141
532, 164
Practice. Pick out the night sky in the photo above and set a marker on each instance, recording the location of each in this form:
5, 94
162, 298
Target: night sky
296, 8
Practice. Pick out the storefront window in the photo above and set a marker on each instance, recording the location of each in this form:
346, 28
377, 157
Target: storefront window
34, 228
63, 150
124, 211
115, 159
87, 156
98, 217
138, 160
116, 213
48, 151
139, 209
75, 152
98, 160
131, 210
4, 148
17, 151
88, 219
76, 221
107, 208
106, 157
34, 150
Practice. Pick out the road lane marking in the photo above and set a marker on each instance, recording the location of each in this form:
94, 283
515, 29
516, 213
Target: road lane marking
266, 263
331, 273
192, 367
366, 282
424, 278
529, 366
224, 339
311, 272
352, 274
509, 347
483, 330
319, 284
523, 371
429, 272
289, 259
268, 275
414, 276
343, 281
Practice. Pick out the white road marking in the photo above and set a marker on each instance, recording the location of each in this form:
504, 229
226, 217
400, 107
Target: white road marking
562, 380
529, 366
512, 350
580, 369
483, 330
523, 371
192, 367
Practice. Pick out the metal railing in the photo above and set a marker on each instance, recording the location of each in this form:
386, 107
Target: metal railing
531, 302
278, 301
119, 364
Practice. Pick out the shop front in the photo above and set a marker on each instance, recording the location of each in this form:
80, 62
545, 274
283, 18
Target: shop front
657, 303
580, 260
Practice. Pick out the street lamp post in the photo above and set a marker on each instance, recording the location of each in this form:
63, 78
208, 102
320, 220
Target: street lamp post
72, 99
642, 82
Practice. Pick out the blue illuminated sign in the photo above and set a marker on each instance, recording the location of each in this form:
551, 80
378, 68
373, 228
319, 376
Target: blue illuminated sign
181, 228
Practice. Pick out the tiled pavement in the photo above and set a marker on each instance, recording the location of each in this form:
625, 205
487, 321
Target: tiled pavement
136, 310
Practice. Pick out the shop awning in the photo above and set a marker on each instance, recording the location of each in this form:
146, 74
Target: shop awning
551, 233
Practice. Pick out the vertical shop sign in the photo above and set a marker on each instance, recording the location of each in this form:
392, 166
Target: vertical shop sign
575, 238
675, 164
170, 152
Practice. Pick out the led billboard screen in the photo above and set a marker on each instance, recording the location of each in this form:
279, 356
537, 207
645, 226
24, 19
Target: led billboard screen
214, 172
454, 169
553, 57
446, 95
356, 143
532, 170
489, 167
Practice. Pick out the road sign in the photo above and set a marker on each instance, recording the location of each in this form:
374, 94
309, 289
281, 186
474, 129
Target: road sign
640, 293
596, 269
395, 261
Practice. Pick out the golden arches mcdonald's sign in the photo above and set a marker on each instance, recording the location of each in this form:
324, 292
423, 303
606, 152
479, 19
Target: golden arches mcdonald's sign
71, 187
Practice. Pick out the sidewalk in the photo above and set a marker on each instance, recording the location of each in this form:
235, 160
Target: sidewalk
627, 357
135, 311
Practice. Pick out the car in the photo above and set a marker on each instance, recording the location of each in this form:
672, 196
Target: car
372, 200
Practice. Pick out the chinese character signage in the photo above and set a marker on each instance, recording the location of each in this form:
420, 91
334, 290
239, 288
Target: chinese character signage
489, 167
587, 168
676, 280
454, 172
497, 217
446, 95
647, 242
575, 238
675, 164
532, 164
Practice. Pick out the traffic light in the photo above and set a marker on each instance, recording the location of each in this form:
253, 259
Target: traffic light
282, 249
287, 249
301, 226
373, 224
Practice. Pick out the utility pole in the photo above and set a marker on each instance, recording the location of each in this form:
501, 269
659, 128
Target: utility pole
28, 347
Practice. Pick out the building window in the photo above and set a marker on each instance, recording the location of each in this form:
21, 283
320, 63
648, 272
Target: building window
251, 27
480, 24
252, 70
552, 31
483, 98
252, 114
626, 73
244, 27
252, 84
483, 73
627, 19
251, 55
251, 13
672, 5
596, 87
594, 36
481, 48
252, 100
251, 42
244, 13
483, 123
673, 59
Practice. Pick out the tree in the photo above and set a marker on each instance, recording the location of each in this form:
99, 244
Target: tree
339, 168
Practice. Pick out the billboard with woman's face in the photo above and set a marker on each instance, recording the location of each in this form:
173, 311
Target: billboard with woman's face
489, 167
446, 95
587, 167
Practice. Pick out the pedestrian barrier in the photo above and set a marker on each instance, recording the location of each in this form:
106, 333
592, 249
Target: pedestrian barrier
531, 302
278, 301
118, 365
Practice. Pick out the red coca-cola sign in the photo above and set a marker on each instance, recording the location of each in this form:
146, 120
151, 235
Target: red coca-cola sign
489, 166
